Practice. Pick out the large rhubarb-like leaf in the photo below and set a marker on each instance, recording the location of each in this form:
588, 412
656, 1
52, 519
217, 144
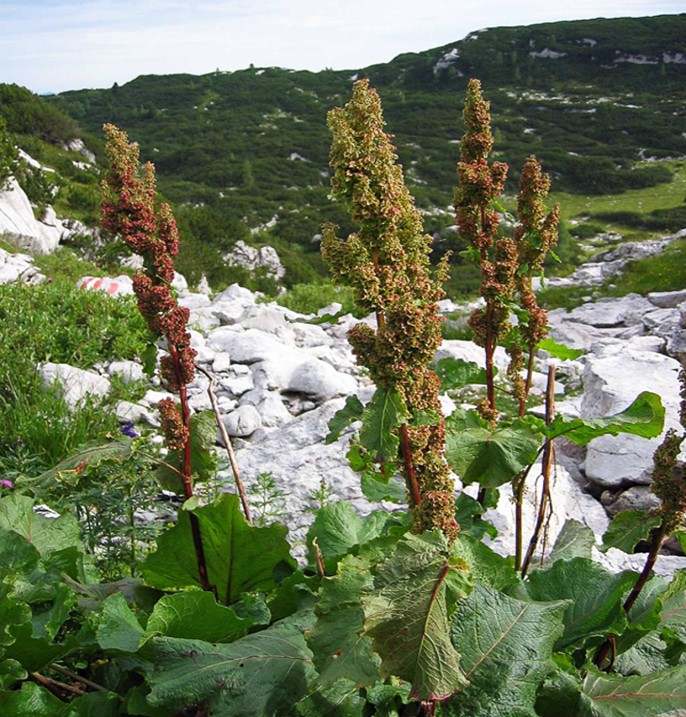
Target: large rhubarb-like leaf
596, 594
644, 417
416, 591
239, 557
506, 647
659, 693
265, 673
492, 457
628, 528
338, 642
338, 528
380, 419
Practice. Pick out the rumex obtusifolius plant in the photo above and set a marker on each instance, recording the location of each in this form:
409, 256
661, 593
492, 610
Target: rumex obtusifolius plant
387, 263
129, 209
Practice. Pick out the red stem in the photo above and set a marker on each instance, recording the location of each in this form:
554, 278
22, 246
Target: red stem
186, 474
410, 472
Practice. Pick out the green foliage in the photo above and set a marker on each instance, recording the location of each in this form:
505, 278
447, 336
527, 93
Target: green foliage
56, 322
223, 141
8, 153
240, 557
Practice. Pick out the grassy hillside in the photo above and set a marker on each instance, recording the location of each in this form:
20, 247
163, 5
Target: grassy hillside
244, 154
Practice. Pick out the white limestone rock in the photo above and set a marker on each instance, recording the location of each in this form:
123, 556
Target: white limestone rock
76, 384
128, 370
19, 225
243, 421
611, 383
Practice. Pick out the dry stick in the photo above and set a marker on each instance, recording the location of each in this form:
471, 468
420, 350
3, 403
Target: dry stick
51, 684
78, 678
546, 468
186, 475
229, 449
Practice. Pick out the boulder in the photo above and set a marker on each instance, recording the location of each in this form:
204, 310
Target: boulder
243, 421
19, 225
611, 383
76, 384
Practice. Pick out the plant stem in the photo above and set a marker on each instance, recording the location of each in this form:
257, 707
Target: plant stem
656, 543
547, 464
186, 475
74, 676
410, 473
229, 449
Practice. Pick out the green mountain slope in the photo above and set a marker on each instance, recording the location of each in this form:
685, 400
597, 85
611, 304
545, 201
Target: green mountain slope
249, 149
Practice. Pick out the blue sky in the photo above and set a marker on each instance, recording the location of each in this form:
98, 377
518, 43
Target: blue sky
55, 45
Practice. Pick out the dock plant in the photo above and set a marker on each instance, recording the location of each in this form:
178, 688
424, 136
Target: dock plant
398, 613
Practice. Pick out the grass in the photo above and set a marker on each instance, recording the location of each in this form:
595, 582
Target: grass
664, 196
60, 323
663, 272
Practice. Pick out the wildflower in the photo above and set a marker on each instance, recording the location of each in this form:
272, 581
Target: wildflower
128, 430
6, 483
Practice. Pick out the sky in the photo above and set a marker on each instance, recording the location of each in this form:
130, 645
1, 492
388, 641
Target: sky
55, 45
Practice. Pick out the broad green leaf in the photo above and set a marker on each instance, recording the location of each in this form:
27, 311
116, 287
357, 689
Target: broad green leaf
457, 373
674, 606
203, 462
74, 464
265, 673
659, 693
468, 513
492, 457
11, 671
341, 699
46, 534
96, 704
17, 555
506, 646
34, 701
47, 623
240, 557
352, 411
196, 615
644, 417
375, 490
380, 419
645, 656
596, 593
338, 528
485, 565
12, 614
629, 528
416, 590
645, 613
294, 593
32, 652
560, 351
118, 628
338, 642
575, 540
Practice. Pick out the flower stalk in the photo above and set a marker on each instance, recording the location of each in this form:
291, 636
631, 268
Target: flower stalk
129, 209
387, 263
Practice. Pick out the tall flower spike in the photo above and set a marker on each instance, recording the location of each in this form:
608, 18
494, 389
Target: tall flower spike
478, 185
387, 263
